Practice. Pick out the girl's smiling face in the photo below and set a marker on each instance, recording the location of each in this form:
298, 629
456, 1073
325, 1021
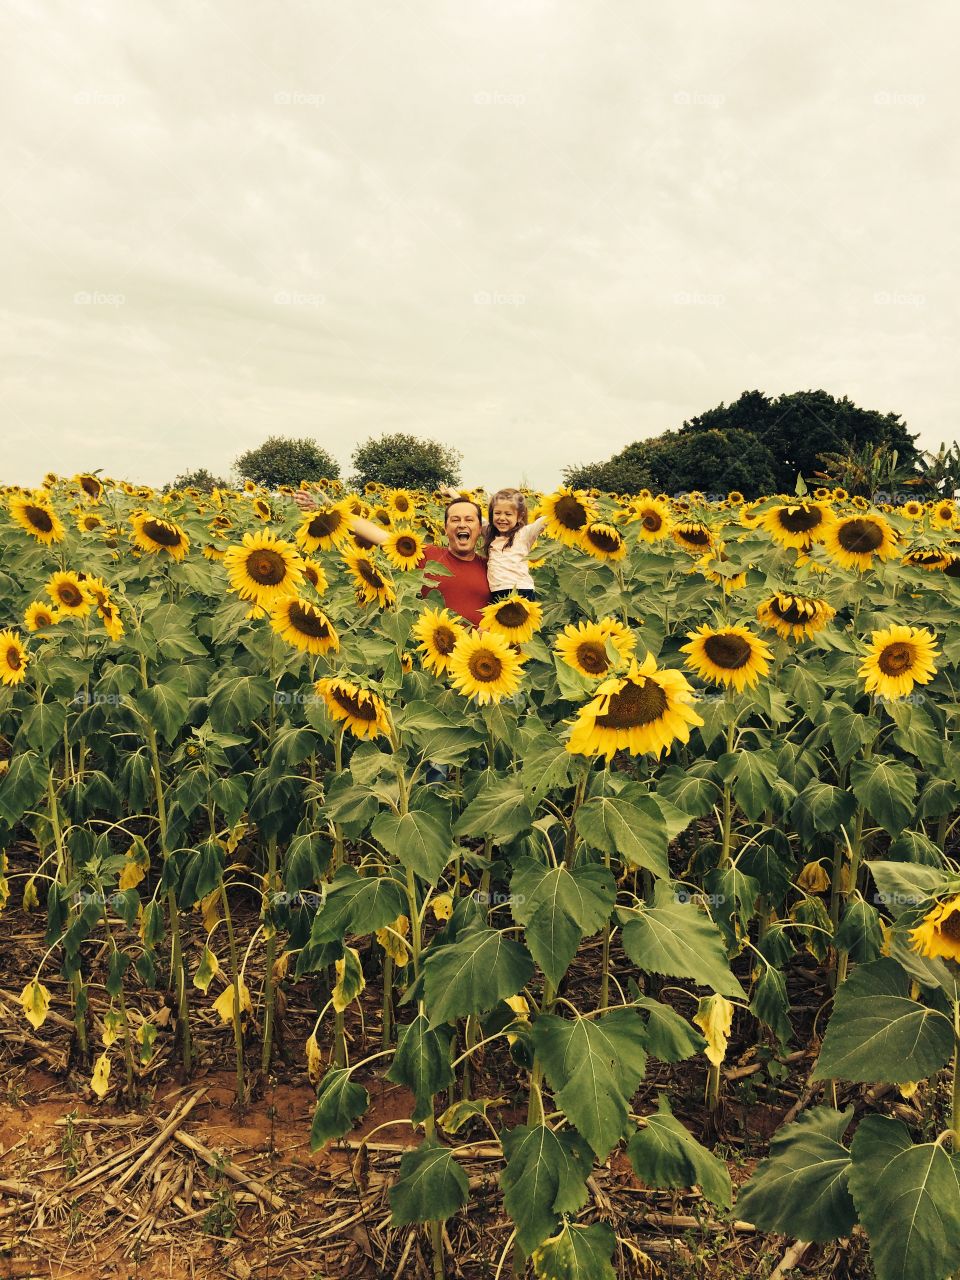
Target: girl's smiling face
504, 516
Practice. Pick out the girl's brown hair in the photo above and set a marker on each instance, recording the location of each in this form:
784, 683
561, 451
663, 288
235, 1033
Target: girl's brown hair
516, 499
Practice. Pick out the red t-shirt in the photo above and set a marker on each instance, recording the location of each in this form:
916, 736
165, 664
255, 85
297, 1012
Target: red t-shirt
466, 590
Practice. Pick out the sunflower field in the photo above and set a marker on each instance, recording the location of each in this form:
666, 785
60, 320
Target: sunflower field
588, 887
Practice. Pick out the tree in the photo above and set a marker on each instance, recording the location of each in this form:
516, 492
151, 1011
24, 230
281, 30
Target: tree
201, 479
715, 462
626, 472
405, 462
285, 461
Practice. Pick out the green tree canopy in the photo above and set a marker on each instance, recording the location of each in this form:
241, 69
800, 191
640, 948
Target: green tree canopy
286, 461
405, 462
200, 478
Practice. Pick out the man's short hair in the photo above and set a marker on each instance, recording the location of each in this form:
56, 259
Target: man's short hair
456, 502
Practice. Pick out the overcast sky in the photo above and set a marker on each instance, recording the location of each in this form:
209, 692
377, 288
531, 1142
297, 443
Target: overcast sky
536, 229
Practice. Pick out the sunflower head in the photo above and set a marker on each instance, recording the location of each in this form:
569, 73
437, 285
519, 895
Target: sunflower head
314, 574
13, 658
362, 711
438, 631
326, 528
938, 934
594, 648
156, 536
37, 517
567, 513
263, 568
643, 711
943, 513
928, 558
90, 521
913, 510
797, 524
373, 586
692, 536
304, 626
727, 656
485, 667
91, 486
40, 616
794, 617
854, 542
69, 595
652, 516
898, 658
514, 618
404, 548
603, 541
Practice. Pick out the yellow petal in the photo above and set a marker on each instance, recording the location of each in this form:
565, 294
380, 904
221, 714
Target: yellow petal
714, 1017
35, 1000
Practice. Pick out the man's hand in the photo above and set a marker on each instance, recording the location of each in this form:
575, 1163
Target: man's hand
305, 501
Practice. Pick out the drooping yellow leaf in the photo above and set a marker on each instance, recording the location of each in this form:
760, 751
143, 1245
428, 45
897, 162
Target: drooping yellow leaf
520, 1007
314, 1059
146, 1034
350, 979
714, 1017
112, 1024
208, 970
35, 1001
224, 1002
100, 1080
135, 866
210, 906
4, 892
395, 947
813, 878
442, 906
30, 896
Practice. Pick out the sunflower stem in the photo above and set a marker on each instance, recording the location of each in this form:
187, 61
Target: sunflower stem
64, 875
386, 1034
269, 986
955, 1092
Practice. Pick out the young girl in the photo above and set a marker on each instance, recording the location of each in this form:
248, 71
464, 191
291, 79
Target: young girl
509, 540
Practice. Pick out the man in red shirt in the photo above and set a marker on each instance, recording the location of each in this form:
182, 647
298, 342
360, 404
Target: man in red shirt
464, 586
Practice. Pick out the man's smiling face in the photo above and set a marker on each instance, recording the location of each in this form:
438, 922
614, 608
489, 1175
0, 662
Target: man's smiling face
463, 529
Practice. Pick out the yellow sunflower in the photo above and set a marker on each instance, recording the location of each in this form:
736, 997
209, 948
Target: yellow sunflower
372, 585
263, 568
303, 625
938, 934
109, 615
727, 655
860, 503
929, 558
401, 504
794, 617
707, 565
644, 711
87, 523
913, 510
853, 541
749, 516
13, 659
361, 710
315, 575
212, 552
326, 528
40, 616
692, 535
583, 646
840, 494
798, 524
404, 549
898, 658
91, 486
603, 541
513, 618
261, 509
483, 666
438, 632
38, 518
69, 595
943, 513
153, 535
567, 513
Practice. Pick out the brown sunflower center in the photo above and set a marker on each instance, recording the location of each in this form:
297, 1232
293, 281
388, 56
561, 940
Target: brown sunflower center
860, 536
91, 485
309, 622
370, 575
800, 519
162, 533
950, 926
40, 518
401, 503
42, 619
485, 666
696, 535
925, 557
896, 658
69, 595
727, 650
652, 521
604, 539
513, 614
592, 657
952, 570
406, 545
14, 659
266, 567
634, 706
311, 575
794, 611
570, 513
325, 523
444, 640
91, 522
349, 700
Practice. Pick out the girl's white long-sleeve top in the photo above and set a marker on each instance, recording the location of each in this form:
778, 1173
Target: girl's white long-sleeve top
508, 567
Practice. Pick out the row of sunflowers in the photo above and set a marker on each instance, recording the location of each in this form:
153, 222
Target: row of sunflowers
718, 747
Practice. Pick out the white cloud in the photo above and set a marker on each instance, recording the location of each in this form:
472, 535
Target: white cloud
538, 230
